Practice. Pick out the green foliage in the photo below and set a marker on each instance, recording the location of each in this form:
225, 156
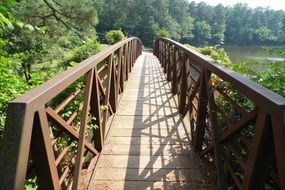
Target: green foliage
163, 33
30, 184
202, 32
114, 36
215, 52
197, 23
272, 77
78, 54
5, 17
11, 85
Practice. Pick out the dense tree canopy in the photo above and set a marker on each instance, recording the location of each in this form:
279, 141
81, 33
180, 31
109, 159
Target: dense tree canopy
195, 23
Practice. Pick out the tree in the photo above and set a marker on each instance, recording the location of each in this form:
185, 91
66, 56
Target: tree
202, 32
219, 24
114, 36
238, 30
41, 26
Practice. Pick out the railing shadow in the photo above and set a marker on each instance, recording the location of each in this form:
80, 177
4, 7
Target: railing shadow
159, 126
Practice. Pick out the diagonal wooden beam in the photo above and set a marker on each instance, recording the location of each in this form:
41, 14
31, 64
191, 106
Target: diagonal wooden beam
98, 137
215, 130
107, 93
42, 152
278, 127
113, 90
82, 131
248, 118
261, 154
68, 129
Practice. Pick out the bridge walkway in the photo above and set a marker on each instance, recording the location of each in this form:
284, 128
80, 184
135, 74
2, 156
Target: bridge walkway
148, 144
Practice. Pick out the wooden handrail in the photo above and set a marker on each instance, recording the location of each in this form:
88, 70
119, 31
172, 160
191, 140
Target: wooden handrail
235, 123
61, 145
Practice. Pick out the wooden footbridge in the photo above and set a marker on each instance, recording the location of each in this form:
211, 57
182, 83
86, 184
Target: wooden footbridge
124, 119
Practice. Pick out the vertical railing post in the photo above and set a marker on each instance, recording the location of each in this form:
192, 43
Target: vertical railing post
129, 57
43, 154
215, 129
165, 57
261, 154
160, 51
201, 112
82, 131
127, 61
163, 54
17, 137
113, 89
108, 90
98, 136
184, 84
169, 64
277, 124
175, 60
119, 76
156, 49
123, 70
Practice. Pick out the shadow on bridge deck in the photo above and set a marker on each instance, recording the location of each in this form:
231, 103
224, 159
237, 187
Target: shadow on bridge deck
148, 145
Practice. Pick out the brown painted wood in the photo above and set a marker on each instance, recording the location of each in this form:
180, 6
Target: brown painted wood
278, 121
169, 64
201, 114
67, 128
113, 89
261, 154
126, 53
184, 85
263, 99
42, 153
83, 129
232, 130
216, 130
119, 76
175, 60
107, 92
16, 144
148, 140
98, 136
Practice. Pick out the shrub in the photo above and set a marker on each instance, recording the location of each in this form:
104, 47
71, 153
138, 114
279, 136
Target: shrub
114, 36
271, 77
163, 33
78, 54
11, 86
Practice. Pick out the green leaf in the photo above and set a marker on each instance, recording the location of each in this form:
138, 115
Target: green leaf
30, 27
72, 63
20, 24
11, 2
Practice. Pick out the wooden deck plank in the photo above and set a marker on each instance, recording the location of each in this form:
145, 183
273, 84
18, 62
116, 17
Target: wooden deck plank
147, 149
148, 162
148, 145
146, 140
149, 185
146, 174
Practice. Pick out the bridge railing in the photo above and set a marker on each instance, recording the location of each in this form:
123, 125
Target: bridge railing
57, 130
237, 126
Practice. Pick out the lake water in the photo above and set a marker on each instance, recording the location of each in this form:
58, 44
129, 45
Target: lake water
245, 53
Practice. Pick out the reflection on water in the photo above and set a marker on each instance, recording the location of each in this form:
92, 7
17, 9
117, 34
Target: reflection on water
244, 53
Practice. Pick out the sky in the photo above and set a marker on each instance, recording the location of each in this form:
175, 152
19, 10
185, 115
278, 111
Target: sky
273, 4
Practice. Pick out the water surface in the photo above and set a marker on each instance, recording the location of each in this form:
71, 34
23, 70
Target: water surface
240, 54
